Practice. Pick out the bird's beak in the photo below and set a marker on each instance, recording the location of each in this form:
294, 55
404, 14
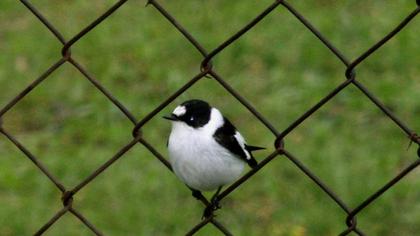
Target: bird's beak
171, 117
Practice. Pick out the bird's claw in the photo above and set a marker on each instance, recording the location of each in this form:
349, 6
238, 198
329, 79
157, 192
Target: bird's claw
209, 210
215, 203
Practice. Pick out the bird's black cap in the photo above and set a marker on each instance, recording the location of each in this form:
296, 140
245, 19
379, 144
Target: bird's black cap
197, 113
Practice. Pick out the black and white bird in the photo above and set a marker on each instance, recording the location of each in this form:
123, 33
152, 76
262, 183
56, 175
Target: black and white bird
205, 150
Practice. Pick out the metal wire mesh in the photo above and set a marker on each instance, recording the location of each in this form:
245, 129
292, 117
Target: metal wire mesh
350, 225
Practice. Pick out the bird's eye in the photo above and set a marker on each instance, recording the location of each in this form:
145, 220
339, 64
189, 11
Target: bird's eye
191, 118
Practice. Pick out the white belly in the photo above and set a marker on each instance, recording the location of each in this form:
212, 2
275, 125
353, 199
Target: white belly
199, 161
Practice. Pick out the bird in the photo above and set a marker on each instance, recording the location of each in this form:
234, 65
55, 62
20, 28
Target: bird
206, 152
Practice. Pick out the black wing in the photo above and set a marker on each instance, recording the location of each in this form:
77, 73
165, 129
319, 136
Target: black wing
225, 136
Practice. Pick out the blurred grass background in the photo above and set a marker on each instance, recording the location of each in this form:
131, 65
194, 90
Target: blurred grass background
278, 66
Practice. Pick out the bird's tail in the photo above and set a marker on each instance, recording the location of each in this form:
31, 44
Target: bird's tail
253, 148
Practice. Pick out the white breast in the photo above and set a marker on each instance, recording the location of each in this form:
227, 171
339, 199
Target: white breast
198, 160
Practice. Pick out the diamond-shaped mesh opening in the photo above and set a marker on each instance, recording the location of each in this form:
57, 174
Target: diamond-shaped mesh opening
69, 193
351, 159
54, 126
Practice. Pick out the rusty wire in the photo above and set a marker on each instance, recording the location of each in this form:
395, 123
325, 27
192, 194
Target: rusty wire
206, 70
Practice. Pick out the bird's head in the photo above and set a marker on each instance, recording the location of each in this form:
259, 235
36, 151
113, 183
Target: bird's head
195, 113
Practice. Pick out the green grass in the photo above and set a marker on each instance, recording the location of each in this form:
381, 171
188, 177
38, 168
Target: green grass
279, 66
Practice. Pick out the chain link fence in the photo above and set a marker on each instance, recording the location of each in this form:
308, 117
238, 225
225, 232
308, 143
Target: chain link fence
349, 79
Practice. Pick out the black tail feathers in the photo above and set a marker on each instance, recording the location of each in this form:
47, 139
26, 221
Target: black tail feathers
253, 148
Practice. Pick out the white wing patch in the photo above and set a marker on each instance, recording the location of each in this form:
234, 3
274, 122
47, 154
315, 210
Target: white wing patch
241, 142
179, 111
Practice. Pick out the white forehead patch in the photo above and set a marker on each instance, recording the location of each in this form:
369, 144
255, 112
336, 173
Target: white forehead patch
179, 110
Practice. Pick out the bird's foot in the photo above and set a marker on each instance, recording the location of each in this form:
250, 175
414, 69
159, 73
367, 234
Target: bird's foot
215, 203
209, 212
211, 208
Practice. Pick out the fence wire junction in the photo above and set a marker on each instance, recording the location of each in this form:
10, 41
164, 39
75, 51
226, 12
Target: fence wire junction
207, 70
